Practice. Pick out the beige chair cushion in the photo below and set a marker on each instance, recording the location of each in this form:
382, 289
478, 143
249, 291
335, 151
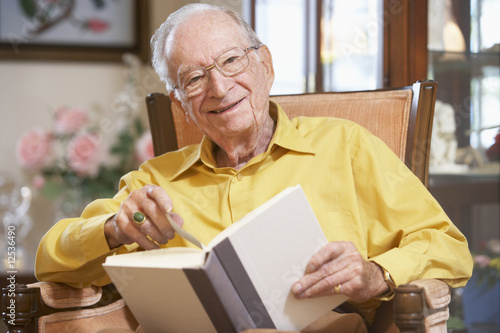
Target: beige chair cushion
115, 315
60, 296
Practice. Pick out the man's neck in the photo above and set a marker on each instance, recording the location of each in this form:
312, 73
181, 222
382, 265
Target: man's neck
236, 154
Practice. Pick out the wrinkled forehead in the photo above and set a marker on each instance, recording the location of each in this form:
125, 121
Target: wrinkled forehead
200, 38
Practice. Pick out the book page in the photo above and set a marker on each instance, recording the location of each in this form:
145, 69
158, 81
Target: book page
175, 257
162, 300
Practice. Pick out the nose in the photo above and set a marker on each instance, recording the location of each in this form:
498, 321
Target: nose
218, 85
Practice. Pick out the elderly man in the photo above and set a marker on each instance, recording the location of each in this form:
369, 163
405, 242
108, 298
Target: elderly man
383, 227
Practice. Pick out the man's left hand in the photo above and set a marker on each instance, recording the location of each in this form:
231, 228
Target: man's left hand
339, 268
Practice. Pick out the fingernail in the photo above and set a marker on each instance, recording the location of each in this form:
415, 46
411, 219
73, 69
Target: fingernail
170, 234
168, 208
296, 288
176, 221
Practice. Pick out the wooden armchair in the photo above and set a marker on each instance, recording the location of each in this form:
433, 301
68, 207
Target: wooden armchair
401, 117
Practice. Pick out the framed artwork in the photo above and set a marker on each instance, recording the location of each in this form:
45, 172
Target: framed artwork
79, 30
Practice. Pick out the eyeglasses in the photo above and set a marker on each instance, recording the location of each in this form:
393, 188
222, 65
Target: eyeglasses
229, 63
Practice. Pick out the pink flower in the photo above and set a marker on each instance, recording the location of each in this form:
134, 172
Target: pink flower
38, 181
481, 260
33, 150
97, 25
144, 147
68, 121
85, 154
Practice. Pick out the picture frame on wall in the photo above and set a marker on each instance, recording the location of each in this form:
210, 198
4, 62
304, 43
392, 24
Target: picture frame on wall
75, 30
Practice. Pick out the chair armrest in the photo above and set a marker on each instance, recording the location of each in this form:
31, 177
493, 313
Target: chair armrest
55, 307
422, 306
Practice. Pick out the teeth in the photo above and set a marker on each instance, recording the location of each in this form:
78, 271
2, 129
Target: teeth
222, 110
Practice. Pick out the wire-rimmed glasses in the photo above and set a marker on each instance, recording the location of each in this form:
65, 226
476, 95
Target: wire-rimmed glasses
229, 63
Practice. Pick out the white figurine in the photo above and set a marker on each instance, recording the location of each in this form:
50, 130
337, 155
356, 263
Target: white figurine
444, 143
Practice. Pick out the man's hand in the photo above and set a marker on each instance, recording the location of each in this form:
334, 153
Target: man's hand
340, 264
154, 203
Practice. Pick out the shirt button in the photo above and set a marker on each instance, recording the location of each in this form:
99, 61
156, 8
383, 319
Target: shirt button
239, 176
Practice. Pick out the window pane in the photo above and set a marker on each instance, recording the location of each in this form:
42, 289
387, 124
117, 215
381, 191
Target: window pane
281, 25
484, 25
351, 44
485, 108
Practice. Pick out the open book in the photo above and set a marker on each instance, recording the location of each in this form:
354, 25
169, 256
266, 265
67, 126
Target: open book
240, 280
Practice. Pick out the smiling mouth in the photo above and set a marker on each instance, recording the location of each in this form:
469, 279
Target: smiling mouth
225, 109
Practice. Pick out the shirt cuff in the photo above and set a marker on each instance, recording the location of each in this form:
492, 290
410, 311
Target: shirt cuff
92, 240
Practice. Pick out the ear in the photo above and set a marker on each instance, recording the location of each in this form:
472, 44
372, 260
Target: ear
177, 102
267, 61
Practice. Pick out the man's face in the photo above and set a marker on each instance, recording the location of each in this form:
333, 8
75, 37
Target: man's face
229, 107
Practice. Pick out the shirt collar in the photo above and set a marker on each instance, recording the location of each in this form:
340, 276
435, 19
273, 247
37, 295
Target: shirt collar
286, 136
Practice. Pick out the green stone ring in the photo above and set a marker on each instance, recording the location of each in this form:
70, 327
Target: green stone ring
139, 218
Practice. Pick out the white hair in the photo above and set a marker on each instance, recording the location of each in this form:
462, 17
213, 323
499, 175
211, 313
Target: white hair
159, 39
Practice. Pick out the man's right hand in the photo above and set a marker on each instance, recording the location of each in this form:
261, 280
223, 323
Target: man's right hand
154, 203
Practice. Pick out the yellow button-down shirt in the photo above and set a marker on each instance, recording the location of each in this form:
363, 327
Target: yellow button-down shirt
358, 188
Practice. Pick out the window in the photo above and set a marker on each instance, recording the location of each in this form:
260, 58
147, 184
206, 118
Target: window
283, 26
323, 45
485, 84
351, 45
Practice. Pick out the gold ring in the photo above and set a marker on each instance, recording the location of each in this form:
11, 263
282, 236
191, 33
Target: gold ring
337, 288
139, 218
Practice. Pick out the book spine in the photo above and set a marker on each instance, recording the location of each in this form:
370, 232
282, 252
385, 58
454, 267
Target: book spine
243, 285
218, 297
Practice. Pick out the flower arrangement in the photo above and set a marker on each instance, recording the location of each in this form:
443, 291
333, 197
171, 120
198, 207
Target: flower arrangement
79, 160
487, 263
76, 155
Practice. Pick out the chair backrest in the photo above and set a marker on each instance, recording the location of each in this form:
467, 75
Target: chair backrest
401, 117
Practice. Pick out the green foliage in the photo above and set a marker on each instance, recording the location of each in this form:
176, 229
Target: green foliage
28, 7
455, 323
